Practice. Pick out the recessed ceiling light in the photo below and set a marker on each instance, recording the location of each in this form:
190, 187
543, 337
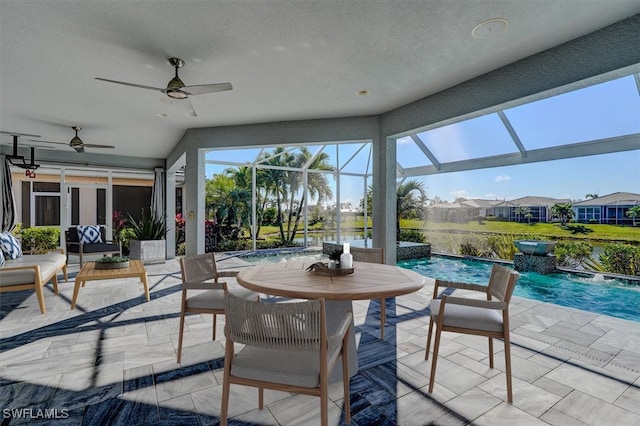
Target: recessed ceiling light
162, 114
362, 93
490, 28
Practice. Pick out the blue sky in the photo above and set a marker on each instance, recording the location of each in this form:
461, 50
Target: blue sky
602, 111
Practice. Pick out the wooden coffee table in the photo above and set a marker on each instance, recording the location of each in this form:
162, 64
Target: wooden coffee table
90, 273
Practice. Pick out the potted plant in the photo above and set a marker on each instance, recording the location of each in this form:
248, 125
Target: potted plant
334, 258
147, 243
112, 262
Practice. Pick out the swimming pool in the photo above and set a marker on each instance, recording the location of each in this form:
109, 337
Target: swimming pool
594, 294
616, 298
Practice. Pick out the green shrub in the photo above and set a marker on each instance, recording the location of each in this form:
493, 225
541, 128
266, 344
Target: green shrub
40, 238
621, 259
150, 227
502, 246
468, 249
412, 235
572, 254
125, 235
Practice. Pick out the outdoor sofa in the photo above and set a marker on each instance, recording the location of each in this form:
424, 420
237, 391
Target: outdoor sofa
33, 272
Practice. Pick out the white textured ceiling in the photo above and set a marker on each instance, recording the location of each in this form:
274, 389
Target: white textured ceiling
287, 60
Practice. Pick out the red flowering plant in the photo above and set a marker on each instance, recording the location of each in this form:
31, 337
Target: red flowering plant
118, 223
180, 221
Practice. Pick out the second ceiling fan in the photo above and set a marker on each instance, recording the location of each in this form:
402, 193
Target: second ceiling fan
176, 89
77, 143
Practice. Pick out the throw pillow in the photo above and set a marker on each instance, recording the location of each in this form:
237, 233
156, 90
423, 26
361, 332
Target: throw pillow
89, 234
1, 258
10, 246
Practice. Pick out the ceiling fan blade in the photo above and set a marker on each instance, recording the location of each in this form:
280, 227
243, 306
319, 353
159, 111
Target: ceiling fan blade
207, 88
188, 107
91, 145
157, 89
55, 143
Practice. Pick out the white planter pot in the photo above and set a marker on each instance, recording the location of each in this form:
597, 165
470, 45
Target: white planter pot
149, 251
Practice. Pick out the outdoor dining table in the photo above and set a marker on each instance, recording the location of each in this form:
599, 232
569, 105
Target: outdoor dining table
368, 281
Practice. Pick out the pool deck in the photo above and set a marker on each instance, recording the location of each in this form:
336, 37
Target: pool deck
112, 361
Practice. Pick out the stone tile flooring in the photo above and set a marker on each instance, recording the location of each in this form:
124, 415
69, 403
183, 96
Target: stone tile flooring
112, 361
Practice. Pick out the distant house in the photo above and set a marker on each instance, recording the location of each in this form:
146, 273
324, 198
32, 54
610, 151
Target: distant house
539, 207
461, 211
610, 209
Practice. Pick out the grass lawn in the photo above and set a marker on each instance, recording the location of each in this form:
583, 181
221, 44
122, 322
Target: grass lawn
596, 233
546, 230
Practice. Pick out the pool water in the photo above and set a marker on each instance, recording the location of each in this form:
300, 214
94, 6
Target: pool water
616, 298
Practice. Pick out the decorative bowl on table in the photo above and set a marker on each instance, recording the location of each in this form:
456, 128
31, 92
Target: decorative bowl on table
320, 268
113, 262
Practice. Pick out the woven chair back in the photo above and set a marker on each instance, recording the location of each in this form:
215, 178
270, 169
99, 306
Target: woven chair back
293, 326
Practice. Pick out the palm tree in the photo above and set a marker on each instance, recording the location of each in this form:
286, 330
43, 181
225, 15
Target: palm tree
591, 196
317, 185
563, 211
633, 213
523, 211
275, 181
406, 204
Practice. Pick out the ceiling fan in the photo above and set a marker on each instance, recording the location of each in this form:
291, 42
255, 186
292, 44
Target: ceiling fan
176, 88
77, 143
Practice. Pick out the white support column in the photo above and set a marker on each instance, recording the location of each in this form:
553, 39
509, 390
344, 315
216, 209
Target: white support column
195, 203
170, 206
384, 197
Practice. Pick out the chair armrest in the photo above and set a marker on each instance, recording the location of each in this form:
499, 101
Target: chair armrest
205, 286
73, 243
478, 303
228, 274
461, 286
5, 268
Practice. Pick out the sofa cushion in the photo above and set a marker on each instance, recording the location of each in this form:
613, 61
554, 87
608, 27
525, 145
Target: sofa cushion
10, 246
89, 234
49, 263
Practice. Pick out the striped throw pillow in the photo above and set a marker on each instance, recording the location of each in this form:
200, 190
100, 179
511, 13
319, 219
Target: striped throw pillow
10, 246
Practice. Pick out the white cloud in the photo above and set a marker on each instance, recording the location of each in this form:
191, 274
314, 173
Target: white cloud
502, 178
460, 193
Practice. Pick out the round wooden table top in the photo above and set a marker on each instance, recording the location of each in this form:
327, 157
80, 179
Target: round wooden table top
292, 279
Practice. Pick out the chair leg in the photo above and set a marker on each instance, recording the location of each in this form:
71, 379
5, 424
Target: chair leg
346, 386
383, 317
324, 404
507, 363
490, 352
426, 353
180, 336
214, 326
436, 347
54, 281
261, 398
40, 296
64, 271
226, 385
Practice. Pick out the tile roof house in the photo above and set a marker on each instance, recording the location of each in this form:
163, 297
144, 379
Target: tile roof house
462, 211
539, 207
611, 209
